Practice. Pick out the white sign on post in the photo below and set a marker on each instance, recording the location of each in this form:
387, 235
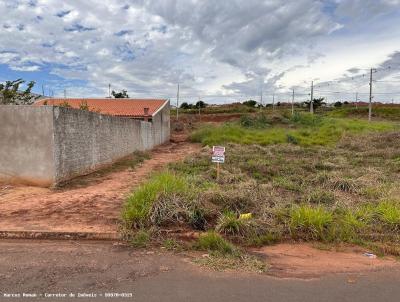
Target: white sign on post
218, 155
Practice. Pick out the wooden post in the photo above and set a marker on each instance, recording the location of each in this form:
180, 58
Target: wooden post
217, 171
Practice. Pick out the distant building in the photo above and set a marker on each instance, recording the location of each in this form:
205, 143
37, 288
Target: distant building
143, 109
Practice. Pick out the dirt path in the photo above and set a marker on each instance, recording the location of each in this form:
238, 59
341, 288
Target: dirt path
94, 208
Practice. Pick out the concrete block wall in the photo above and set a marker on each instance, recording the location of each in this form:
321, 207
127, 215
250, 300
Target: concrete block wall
26, 145
45, 145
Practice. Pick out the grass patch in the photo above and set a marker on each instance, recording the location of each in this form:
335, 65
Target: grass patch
306, 130
140, 239
389, 213
214, 242
310, 222
171, 245
137, 208
242, 262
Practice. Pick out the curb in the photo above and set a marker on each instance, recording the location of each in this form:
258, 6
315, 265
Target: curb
49, 235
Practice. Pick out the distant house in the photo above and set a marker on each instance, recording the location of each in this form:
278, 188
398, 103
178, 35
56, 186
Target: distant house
143, 109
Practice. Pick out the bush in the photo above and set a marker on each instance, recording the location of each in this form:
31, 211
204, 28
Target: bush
212, 241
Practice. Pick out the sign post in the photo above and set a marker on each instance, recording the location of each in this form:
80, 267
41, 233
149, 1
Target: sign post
218, 156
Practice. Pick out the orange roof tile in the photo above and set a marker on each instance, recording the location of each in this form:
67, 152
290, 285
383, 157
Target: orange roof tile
117, 107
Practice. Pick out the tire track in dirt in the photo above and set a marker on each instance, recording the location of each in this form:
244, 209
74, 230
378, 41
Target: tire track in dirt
94, 208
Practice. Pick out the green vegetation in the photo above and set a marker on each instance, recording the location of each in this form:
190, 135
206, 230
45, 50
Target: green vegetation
213, 242
138, 207
140, 239
311, 221
302, 129
303, 177
242, 262
380, 112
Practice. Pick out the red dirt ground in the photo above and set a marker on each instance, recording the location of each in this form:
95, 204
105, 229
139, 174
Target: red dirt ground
305, 261
93, 208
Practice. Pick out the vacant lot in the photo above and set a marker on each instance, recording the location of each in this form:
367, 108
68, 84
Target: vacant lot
299, 177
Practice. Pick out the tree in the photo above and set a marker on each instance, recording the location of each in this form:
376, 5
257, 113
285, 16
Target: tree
185, 105
11, 95
338, 104
316, 103
200, 104
123, 94
250, 103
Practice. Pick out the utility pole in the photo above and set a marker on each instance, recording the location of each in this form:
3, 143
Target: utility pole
42, 89
356, 100
273, 101
261, 99
370, 96
312, 98
177, 103
199, 109
293, 102
65, 93
109, 91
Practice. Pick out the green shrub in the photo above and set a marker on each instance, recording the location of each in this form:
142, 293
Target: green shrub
310, 222
137, 207
212, 241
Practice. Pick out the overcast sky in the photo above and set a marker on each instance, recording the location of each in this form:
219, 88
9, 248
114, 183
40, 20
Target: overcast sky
226, 50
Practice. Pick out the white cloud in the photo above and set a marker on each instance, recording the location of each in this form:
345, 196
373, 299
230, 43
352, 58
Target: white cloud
210, 47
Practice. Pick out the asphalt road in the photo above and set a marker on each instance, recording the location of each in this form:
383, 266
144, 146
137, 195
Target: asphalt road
96, 268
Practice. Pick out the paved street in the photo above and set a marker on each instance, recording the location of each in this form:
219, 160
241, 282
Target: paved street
61, 267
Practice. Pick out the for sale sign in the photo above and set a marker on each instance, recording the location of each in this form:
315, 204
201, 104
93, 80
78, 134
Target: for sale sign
218, 155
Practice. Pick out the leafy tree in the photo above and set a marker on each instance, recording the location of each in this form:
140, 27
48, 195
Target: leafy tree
338, 104
185, 105
120, 95
200, 104
316, 103
11, 95
250, 103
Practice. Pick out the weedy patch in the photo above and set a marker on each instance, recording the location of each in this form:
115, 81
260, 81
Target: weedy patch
140, 239
214, 242
172, 245
242, 262
337, 182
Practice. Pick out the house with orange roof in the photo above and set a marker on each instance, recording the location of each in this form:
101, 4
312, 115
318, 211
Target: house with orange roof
143, 109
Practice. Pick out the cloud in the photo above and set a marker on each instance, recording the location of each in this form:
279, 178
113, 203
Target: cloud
148, 46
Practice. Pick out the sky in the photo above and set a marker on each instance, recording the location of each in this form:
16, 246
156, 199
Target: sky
219, 51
